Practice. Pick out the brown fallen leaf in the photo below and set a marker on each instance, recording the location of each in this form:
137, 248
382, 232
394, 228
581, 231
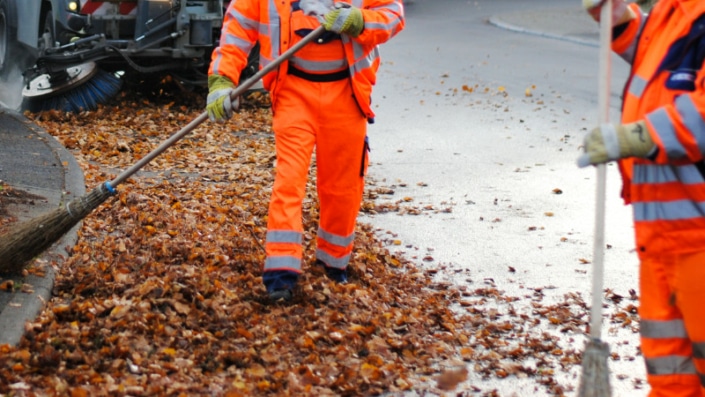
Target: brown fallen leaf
450, 379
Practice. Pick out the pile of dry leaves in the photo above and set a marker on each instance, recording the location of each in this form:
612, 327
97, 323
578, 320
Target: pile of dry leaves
162, 295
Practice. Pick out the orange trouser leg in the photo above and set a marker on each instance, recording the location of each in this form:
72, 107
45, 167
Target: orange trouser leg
341, 160
295, 128
671, 325
324, 116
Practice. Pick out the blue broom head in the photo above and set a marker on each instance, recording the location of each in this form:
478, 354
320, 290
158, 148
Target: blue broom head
97, 90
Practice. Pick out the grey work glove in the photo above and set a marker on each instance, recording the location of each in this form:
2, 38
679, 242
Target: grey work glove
219, 105
616, 141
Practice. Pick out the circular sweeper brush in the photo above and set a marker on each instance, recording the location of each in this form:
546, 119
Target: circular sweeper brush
75, 89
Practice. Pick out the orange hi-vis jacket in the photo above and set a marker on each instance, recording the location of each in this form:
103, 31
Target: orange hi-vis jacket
268, 21
666, 88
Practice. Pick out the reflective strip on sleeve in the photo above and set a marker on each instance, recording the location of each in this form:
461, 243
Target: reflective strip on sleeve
637, 86
665, 129
692, 119
238, 42
392, 11
245, 22
394, 6
662, 329
628, 53
389, 26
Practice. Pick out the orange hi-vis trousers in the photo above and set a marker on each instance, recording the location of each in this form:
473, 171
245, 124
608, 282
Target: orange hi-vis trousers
672, 324
324, 116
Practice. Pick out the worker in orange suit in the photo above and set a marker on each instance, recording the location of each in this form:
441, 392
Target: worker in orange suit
660, 147
321, 101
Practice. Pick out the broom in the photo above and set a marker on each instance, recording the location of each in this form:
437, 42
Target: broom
595, 379
24, 241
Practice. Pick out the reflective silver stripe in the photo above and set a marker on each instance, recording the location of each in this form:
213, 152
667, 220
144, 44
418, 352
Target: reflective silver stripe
230, 39
245, 22
394, 12
244, 45
282, 262
609, 137
692, 119
662, 329
657, 174
284, 236
331, 261
699, 350
264, 60
216, 61
665, 129
395, 6
628, 53
365, 62
340, 241
670, 365
264, 30
670, 211
274, 32
392, 26
319, 66
637, 86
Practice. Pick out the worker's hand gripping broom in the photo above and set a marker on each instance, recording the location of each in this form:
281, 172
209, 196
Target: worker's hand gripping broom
26, 240
595, 378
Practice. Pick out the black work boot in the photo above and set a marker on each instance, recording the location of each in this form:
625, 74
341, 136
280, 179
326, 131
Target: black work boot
280, 284
340, 276
280, 295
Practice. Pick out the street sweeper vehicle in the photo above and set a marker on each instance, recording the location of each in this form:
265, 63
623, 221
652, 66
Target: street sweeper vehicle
75, 54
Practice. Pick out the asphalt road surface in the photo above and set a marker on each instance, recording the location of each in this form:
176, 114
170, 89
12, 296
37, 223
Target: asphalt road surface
482, 106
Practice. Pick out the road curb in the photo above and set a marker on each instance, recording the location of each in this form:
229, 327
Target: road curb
24, 307
498, 22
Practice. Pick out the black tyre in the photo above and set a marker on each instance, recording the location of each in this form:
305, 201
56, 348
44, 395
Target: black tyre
11, 64
8, 39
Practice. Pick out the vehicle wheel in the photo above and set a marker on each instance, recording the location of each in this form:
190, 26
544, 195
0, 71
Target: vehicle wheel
7, 39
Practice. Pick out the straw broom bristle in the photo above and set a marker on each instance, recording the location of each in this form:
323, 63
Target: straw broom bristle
595, 379
24, 241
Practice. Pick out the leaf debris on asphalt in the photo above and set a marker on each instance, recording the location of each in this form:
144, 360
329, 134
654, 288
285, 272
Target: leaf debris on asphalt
162, 293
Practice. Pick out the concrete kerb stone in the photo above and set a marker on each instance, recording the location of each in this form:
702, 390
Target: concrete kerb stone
567, 25
24, 307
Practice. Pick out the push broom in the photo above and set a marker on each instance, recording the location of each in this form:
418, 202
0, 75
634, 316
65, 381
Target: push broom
26, 240
595, 378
